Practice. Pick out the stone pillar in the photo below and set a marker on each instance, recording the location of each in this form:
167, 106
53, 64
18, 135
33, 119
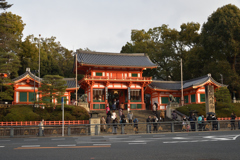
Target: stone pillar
93, 121
209, 99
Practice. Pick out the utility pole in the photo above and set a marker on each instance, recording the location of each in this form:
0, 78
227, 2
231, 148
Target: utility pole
182, 98
221, 78
76, 78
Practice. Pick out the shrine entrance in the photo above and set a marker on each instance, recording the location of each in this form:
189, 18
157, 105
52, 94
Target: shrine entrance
119, 95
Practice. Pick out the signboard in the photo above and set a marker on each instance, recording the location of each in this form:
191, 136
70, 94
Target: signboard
106, 93
129, 96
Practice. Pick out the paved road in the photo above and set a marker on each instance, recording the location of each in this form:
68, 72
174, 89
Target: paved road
180, 146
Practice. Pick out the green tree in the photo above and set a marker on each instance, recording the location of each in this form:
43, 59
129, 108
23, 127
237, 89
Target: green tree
9, 63
52, 87
165, 47
220, 39
4, 5
222, 94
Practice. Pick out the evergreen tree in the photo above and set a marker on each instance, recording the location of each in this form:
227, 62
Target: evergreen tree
52, 87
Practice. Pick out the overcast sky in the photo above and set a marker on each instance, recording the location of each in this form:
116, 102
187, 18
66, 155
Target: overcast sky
105, 25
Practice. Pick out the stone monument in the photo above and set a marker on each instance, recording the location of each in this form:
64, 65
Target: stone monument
209, 99
93, 121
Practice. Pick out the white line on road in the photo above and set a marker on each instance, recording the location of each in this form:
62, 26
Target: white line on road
31, 146
137, 143
58, 139
134, 136
102, 144
119, 138
30, 139
2, 146
182, 135
67, 145
4, 140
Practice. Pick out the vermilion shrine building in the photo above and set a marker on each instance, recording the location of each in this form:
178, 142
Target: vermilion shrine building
109, 76
24, 88
193, 90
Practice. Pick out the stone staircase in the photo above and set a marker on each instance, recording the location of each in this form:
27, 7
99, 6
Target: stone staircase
142, 115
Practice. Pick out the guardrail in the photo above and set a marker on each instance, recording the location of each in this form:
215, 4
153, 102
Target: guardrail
46, 123
126, 128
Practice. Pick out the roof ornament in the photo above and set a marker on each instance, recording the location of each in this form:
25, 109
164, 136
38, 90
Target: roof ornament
27, 69
209, 74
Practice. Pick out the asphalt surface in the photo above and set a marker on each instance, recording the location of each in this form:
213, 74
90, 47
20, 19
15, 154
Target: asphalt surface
221, 145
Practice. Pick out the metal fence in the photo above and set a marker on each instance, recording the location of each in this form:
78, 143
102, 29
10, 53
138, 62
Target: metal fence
109, 129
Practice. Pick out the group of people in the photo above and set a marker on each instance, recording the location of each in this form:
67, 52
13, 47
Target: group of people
113, 119
152, 121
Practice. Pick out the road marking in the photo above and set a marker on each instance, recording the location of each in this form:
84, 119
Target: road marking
137, 143
58, 139
2, 146
30, 139
102, 144
31, 146
182, 135
119, 138
135, 136
63, 147
4, 140
180, 138
67, 145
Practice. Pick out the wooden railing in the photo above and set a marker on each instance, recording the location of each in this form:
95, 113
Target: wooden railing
46, 123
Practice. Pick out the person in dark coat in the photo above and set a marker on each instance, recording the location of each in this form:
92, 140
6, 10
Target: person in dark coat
233, 117
149, 120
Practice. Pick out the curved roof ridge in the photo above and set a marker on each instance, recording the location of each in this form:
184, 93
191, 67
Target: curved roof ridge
112, 53
161, 81
205, 76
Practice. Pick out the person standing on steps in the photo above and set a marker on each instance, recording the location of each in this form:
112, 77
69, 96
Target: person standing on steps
130, 116
135, 121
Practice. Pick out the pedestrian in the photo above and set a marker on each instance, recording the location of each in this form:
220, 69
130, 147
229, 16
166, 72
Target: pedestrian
233, 117
114, 104
135, 121
192, 120
114, 114
174, 115
120, 112
214, 122
130, 116
107, 110
155, 120
115, 121
154, 107
41, 125
203, 123
199, 121
103, 124
123, 119
162, 115
149, 120
184, 123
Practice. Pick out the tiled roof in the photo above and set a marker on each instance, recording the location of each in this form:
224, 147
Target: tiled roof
25, 74
115, 59
176, 85
71, 82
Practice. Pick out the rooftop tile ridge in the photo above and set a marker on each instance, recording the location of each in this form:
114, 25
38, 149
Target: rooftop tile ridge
69, 78
162, 81
205, 76
111, 53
